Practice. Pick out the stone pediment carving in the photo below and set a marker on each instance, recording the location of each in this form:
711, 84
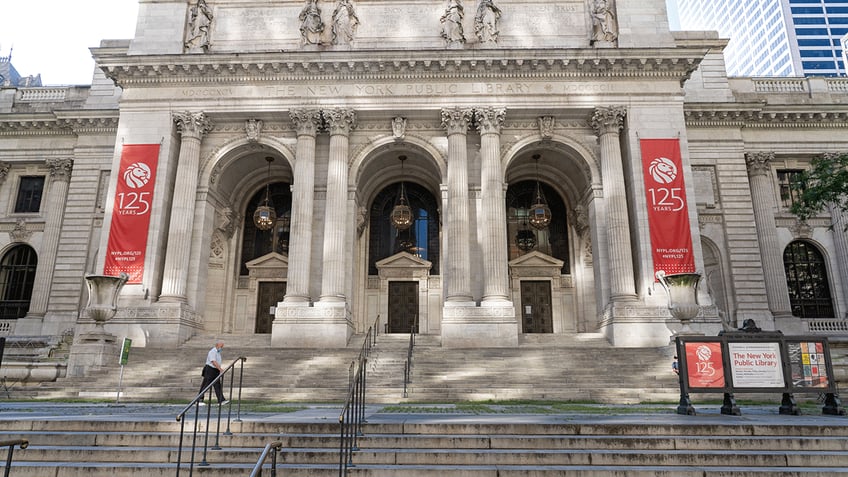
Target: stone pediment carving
403, 265
535, 264
404, 260
536, 259
271, 265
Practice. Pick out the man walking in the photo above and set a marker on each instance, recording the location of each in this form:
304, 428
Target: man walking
212, 369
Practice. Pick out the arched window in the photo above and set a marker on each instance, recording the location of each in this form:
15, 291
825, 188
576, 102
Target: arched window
421, 239
553, 240
17, 275
806, 277
255, 242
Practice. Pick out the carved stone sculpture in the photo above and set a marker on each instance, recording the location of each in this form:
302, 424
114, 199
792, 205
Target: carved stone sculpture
253, 128
604, 24
345, 22
486, 21
311, 25
399, 128
199, 24
452, 23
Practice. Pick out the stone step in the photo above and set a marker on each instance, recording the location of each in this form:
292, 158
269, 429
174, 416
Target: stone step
459, 445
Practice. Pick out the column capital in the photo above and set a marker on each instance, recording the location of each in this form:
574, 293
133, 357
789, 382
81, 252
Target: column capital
759, 163
60, 169
608, 119
489, 120
340, 120
192, 124
306, 121
456, 120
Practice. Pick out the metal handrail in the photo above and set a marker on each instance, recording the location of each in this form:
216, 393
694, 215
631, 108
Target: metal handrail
196, 402
23, 443
257, 469
407, 366
352, 415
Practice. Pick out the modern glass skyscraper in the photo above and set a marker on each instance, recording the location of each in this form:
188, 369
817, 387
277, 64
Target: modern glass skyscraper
774, 37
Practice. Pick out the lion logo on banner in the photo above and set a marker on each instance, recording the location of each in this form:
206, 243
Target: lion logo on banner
663, 170
137, 175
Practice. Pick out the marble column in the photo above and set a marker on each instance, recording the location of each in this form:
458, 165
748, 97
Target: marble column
192, 127
60, 177
608, 123
765, 206
840, 243
307, 122
340, 123
457, 276
493, 236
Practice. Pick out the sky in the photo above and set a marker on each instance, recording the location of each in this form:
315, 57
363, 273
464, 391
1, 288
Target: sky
53, 37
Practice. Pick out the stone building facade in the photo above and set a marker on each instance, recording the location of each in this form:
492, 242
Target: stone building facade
331, 111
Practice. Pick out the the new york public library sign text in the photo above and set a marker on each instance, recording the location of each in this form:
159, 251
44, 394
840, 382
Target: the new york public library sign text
385, 90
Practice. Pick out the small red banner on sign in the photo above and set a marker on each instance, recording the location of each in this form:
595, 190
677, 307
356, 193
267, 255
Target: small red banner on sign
668, 212
127, 244
704, 365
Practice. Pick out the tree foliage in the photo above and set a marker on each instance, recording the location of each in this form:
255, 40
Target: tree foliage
825, 184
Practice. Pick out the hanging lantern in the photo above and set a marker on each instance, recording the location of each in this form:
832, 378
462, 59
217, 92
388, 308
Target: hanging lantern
540, 213
401, 216
265, 216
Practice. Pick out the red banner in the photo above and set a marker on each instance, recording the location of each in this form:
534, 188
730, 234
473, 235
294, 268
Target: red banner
131, 211
704, 365
668, 213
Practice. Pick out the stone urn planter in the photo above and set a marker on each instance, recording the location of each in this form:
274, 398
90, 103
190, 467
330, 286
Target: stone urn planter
103, 293
682, 290
98, 347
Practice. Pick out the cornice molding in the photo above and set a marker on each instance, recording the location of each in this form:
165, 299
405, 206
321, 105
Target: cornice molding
222, 68
762, 117
60, 123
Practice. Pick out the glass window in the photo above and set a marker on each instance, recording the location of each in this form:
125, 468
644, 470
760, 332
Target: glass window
816, 53
17, 275
806, 278
809, 21
255, 242
29, 194
420, 239
788, 195
553, 240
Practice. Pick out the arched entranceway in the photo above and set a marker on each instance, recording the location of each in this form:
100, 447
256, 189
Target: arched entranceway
247, 267
400, 267
551, 268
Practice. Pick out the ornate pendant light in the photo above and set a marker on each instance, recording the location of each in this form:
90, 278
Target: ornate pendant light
401, 216
525, 239
540, 213
265, 216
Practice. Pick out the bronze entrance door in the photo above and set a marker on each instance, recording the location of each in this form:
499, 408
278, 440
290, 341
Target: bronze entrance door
403, 306
270, 293
536, 314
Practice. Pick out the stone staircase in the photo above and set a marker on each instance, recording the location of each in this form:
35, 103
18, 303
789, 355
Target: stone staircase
451, 446
542, 367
